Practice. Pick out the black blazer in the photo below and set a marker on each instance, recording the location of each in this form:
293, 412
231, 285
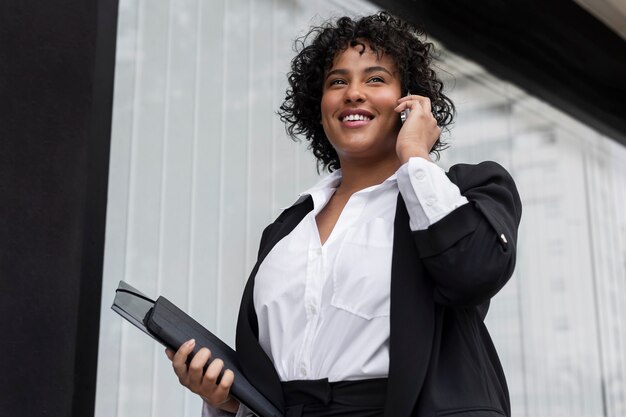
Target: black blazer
442, 360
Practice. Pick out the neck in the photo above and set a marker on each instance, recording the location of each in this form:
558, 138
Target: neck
357, 175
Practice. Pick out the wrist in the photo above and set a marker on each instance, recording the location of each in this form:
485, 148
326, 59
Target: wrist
230, 404
405, 154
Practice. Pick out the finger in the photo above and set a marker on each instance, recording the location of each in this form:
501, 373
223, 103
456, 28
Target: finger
410, 97
407, 105
227, 379
412, 105
196, 366
425, 103
184, 350
222, 391
218, 394
213, 371
180, 358
170, 354
410, 102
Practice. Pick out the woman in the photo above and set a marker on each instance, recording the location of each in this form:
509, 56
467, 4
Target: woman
369, 293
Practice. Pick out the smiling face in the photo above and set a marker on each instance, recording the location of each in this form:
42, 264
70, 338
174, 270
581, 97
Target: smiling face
359, 94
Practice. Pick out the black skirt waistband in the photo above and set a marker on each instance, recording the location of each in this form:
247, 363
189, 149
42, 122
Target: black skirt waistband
317, 398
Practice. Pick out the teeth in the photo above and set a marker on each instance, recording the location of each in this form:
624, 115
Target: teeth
355, 117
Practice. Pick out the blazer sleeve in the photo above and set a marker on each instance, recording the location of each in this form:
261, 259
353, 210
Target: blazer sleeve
470, 253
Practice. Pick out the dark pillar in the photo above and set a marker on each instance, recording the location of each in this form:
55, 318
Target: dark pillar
56, 88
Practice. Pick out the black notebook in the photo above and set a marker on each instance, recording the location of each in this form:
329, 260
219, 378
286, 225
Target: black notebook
171, 327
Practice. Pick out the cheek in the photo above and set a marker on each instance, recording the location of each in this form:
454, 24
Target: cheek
389, 100
327, 109
326, 102
324, 109
325, 115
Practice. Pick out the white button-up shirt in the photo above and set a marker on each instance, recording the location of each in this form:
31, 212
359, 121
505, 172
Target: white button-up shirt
323, 310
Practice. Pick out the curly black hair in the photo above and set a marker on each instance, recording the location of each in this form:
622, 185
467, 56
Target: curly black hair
384, 34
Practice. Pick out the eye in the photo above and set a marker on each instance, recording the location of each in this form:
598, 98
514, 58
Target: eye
336, 81
376, 79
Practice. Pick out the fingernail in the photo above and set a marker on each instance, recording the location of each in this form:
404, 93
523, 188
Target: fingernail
191, 342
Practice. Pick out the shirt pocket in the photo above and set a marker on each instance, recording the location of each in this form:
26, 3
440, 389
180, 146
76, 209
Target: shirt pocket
362, 270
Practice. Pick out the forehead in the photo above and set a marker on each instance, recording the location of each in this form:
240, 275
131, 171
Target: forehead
362, 56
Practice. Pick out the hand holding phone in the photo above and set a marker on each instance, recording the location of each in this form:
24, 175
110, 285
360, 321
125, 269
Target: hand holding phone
419, 136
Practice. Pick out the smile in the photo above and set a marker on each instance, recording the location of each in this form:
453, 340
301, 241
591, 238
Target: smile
355, 117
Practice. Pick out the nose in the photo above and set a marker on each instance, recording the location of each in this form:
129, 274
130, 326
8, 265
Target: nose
355, 94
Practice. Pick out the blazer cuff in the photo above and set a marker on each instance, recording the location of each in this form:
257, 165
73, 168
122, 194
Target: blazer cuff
446, 232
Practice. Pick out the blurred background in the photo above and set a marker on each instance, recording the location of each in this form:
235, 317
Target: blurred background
200, 164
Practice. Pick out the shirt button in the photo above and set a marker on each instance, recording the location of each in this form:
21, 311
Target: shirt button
431, 201
313, 309
419, 174
303, 371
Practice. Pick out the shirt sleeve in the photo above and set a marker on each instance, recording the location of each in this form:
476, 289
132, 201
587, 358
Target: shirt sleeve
428, 192
210, 411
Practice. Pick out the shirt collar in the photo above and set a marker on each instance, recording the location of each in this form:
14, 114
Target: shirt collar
329, 183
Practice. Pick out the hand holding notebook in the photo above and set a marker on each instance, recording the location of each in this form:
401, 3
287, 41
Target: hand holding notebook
172, 327
204, 375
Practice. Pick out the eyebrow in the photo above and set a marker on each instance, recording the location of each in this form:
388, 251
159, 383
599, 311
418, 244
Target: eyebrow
367, 70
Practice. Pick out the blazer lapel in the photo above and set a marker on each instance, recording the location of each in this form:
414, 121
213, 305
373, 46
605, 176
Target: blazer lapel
256, 365
412, 320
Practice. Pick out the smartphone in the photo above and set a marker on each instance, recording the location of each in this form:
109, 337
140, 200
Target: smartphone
405, 113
